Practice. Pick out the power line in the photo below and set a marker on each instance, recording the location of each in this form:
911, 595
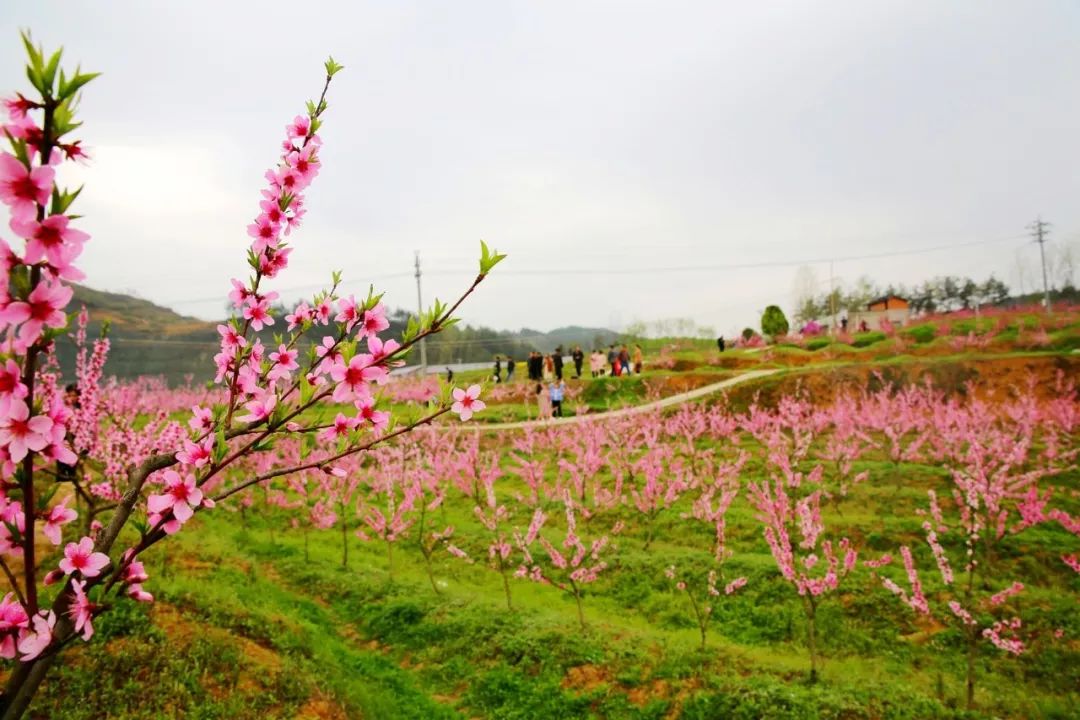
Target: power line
747, 265
606, 271
295, 288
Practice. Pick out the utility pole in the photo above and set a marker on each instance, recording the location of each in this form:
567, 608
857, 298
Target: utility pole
1039, 230
832, 300
420, 313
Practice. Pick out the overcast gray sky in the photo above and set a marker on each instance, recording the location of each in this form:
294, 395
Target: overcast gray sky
602, 138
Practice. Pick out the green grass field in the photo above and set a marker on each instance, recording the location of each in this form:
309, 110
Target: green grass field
247, 627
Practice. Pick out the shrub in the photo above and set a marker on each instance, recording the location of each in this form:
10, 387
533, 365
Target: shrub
866, 339
920, 334
773, 322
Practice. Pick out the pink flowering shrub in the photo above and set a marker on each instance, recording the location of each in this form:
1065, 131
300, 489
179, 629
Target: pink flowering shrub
755, 341
704, 586
789, 504
571, 565
157, 476
994, 464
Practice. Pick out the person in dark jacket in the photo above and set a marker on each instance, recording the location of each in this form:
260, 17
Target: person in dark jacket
613, 359
720, 343
510, 368
535, 363
579, 358
498, 369
557, 360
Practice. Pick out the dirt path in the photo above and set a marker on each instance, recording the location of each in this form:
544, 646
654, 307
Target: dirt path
622, 412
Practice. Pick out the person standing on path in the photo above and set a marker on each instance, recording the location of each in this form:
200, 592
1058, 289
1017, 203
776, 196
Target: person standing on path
557, 392
720, 343
624, 359
548, 372
498, 369
579, 358
613, 359
510, 368
557, 359
543, 402
639, 360
531, 363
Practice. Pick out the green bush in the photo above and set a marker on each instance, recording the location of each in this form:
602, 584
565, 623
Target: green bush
920, 334
773, 322
818, 343
866, 339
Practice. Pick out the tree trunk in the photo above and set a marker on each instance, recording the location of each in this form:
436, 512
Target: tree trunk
972, 644
506, 586
26, 690
577, 599
811, 637
390, 559
344, 546
430, 572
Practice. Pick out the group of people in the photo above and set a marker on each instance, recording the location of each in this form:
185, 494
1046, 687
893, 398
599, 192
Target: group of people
547, 371
620, 361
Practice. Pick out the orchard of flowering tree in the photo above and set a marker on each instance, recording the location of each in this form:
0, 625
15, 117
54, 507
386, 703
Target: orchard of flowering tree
309, 537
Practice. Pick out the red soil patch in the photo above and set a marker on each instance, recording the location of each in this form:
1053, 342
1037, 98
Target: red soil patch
321, 708
586, 678
1000, 377
642, 695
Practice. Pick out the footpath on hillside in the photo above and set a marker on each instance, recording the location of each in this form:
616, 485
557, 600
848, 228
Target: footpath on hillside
622, 412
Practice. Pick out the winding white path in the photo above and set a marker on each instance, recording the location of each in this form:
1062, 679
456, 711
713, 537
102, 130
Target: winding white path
622, 412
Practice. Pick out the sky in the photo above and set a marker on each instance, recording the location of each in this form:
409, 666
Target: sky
638, 161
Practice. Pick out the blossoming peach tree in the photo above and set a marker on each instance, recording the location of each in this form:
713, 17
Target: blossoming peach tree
330, 352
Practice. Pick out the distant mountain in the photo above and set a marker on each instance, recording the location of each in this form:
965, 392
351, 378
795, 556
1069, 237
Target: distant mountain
477, 344
148, 339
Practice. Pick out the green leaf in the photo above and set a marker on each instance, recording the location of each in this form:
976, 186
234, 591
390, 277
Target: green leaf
46, 497
35, 55
80, 79
48, 75
64, 118
488, 258
412, 328
34, 76
61, 200
332, 68
221, 446
307, 390
348, 350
